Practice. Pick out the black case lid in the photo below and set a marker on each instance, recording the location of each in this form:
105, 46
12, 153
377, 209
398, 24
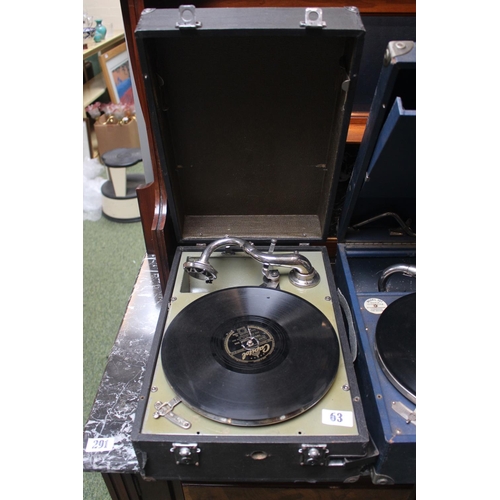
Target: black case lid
250, 113
380, 204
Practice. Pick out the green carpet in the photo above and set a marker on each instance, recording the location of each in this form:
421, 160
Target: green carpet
112, 255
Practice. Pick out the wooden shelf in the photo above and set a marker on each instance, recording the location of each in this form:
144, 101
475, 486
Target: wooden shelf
108, 43
93, 89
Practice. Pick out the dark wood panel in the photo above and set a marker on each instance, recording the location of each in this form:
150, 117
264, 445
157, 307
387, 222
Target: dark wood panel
153, 221
134, 487
121, 486
366, 7
357, 127
147, 202
340, 492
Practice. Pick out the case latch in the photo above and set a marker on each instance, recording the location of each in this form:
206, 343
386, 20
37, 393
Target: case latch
409, 415
165, 410
186, 454
313, 454
187, 18
314, 18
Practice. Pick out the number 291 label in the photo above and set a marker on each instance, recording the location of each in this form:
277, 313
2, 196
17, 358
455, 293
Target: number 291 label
99, 444
337, 417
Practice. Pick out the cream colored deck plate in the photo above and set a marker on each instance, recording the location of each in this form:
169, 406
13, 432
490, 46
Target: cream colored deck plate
242, 270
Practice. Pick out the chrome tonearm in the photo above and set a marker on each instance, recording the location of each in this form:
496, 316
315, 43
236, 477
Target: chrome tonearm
302, 274
405, 269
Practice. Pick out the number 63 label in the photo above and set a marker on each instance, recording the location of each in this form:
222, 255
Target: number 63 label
337, 417
99, 444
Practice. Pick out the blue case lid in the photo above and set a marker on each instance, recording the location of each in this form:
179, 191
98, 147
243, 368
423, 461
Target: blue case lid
380, 204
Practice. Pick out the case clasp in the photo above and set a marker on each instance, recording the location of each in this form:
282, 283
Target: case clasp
409, 415
165, 410
313, 454
186, 454
314, 18
187, 18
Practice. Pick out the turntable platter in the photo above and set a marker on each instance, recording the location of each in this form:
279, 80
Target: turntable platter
250, 356
395, 344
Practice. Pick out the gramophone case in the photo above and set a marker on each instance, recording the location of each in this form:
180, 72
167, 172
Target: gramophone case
376, 265
250, 375
250, 112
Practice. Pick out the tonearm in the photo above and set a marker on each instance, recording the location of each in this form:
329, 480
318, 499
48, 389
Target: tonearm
302, 275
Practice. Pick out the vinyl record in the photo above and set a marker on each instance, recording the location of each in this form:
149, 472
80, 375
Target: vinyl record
250, 355
396, 345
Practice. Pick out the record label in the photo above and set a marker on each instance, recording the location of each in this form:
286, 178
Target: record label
249, 344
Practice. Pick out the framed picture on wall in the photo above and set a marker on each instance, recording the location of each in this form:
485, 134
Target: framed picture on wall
115, 66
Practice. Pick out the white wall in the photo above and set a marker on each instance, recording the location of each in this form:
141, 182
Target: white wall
108, 10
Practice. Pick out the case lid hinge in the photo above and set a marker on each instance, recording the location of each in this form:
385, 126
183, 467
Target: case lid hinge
397, 48
313, 18
187, 18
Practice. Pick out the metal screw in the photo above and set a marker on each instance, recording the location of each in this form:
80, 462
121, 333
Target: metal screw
154, 388
400, 45
328, 298
346, 387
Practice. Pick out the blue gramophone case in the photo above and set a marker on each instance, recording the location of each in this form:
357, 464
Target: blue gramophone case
375, 266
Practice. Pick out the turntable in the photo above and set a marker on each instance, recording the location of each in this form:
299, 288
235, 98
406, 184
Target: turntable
250, 375
253, 365
376, 266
